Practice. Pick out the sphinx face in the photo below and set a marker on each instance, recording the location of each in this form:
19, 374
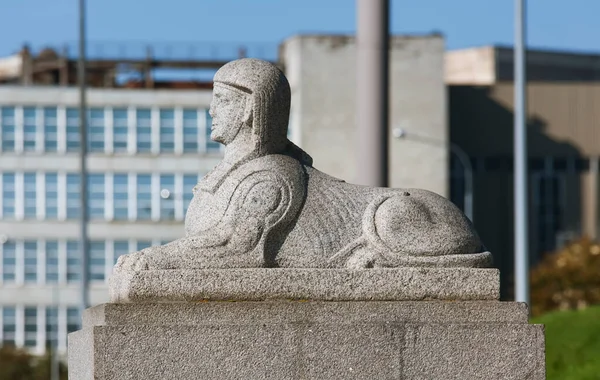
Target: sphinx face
227, 110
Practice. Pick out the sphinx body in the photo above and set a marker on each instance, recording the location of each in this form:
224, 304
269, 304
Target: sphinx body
275, 211
265, 205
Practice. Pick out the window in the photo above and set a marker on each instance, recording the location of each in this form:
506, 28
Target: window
73, 261
8, 195
51, 262
50, 130
167, 197
72, 129
211, 146
7, 125
51, 195
143, 130
121, 247
52, 326
142, 244
189, 181
167, 130
120, 196
9, 325
72, 196
97, 260
96, 196
9, 261
29, 128
120, 130
96, 130
29, 199
30, 326
30, 258
190, 130
549, 203
72, 319
457, 182
144, 196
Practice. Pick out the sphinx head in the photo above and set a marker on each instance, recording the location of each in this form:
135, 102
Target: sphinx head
253, 94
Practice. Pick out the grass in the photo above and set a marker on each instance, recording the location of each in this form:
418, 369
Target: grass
572, 344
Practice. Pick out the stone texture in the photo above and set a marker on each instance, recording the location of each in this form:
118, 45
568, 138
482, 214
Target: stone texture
266, 205
255, 284
308, 340
229, 313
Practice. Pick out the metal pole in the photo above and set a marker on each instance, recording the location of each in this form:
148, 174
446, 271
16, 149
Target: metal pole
372, 45
520, 146
83, 238
468, 171
54, 359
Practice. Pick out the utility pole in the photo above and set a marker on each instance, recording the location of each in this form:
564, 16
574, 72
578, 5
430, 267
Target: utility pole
372, 45
520, 147
83, 222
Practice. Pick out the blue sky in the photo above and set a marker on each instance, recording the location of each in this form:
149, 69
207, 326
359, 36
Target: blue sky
556, 24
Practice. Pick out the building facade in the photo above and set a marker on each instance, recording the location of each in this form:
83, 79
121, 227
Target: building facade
563, 125
135, 199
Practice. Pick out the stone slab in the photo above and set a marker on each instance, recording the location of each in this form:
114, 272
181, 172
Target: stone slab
227, 313
127, 343
375, 284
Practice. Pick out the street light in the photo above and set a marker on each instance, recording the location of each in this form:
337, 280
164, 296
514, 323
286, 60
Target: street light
400, 133
520, 147
83, 196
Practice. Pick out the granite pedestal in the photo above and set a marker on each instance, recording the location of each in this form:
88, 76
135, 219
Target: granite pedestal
402, 323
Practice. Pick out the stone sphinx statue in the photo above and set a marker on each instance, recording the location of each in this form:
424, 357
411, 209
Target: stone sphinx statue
266, 205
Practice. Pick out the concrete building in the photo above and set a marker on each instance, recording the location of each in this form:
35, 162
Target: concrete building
147, 150
563, 92
322, 75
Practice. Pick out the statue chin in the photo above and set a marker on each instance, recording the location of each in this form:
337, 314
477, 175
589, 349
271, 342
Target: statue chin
273, 209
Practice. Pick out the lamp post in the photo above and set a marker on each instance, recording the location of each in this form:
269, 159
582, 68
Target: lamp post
520, 147
83, 201
462, 157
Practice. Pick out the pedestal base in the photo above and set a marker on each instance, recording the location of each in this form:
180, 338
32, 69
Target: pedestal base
308, 340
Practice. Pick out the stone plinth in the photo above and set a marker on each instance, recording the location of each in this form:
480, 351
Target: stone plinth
399, 284
287, 332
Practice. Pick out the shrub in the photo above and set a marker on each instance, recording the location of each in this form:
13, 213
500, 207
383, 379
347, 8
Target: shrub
18, 364
567, 279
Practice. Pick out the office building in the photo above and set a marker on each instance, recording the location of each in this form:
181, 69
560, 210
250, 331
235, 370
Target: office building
147, 150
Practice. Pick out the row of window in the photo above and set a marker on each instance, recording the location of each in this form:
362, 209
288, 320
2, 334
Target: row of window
110, 130
37, 327
548, 188
111, 196
58, 261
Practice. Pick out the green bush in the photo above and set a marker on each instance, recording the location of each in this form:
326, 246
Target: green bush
568, 279
17, 364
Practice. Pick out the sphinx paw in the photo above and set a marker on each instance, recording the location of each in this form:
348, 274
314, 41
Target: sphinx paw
137, 261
